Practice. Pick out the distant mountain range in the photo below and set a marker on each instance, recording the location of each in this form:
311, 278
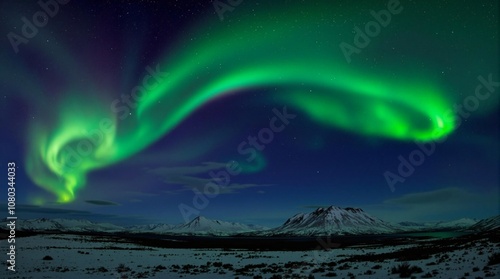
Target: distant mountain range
154, 228
202, 225
488, 224
65, 225
463, 223
322, 221
198, 226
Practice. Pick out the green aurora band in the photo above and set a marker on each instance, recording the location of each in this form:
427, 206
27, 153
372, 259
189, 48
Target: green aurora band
284, 58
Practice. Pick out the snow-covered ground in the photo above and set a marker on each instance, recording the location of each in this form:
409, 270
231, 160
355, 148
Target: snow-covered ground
77, 256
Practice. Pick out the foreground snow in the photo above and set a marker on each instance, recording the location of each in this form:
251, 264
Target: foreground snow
75, 256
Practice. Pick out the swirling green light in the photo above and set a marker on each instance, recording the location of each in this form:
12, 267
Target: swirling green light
281, 52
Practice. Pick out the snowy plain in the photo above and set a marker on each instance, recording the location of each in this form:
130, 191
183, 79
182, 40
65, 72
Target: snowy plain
81, 256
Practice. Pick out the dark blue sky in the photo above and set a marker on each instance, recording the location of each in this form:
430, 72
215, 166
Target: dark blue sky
304, 166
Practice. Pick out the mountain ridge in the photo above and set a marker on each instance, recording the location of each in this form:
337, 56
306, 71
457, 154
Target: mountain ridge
332, 220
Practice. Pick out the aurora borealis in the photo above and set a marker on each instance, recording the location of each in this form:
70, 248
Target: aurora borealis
137, 87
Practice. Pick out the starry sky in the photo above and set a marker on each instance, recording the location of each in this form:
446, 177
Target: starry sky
136, 112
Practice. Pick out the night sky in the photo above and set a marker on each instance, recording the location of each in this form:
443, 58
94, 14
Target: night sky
124, 111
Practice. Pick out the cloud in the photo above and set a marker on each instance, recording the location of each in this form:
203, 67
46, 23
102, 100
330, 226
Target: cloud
99, 202
188, 178
141, 194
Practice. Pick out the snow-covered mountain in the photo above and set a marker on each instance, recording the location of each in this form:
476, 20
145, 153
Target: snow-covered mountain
323, 221
65, 225
334, 221
488, 224
203, 226
198, 226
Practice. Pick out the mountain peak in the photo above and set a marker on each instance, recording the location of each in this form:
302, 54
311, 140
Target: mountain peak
337, 208
200, 218
324, 209
334, 220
